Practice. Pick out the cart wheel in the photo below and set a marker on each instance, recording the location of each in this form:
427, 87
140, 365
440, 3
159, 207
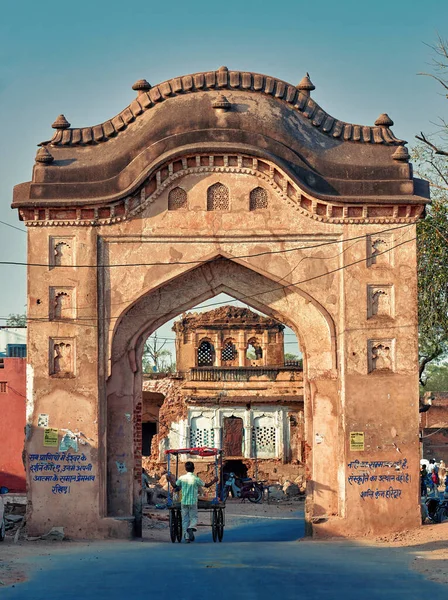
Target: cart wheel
179, 525
220, 524
214, 524
173, 525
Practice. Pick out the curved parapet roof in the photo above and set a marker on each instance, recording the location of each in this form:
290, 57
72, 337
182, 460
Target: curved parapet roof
239, 118
228, 316
221, 80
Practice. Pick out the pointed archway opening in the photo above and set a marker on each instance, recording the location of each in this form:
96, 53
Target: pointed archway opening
288, 305
257, 420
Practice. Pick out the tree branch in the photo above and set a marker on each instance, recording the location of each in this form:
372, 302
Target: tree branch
438, 187
424, 361
437, 150
436, 78
436, 168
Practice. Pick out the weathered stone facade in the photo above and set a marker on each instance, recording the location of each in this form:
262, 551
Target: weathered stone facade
233, 182
232, 391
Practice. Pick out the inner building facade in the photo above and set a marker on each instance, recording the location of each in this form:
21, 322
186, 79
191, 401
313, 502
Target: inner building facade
232, 390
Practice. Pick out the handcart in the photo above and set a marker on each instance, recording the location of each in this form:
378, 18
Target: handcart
216, 506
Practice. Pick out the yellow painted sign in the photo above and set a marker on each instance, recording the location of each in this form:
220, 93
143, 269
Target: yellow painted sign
357, 440
51, 437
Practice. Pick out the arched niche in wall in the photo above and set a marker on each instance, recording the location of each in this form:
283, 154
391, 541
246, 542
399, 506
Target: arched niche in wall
201, 432
264, 437
254, 352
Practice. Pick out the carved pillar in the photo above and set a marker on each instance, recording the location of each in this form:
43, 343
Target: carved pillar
218, 350
217, 429
218, 437
195, 350
241, 350
283, 445
280, 435
264, 346
187, 433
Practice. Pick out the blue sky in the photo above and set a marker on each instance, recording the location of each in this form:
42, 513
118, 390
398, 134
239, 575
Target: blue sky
81, 59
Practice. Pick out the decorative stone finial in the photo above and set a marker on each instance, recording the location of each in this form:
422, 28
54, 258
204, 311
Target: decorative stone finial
43, 156
141, 86
223, 69
221, 104
401, 153
61, 123
306, 86
384, 121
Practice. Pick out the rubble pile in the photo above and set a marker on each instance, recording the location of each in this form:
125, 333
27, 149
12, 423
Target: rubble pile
157, 492
15, 519
151, 521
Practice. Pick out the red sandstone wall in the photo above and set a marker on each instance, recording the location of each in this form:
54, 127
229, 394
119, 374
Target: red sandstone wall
275, 354
435, 444
437, 415
434, 428
12, 424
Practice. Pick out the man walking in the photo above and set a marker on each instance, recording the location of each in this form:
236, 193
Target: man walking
189, 484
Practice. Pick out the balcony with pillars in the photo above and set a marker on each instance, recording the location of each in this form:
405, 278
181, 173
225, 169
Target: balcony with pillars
246, 374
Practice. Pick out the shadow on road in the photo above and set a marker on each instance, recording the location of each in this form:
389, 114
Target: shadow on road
321, 570
268, 530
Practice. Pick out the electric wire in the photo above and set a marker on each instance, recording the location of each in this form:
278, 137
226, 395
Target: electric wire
278, 281
433, 432
13, 226
79, 320
199, 262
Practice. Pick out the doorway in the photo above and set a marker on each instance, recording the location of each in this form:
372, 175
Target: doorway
233, 436
149, 430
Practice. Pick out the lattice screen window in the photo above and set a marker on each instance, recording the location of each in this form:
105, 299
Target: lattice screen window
258, 199
263, 437
218, 197
3, 385
201, 433
206, 354
177, 199
229, 352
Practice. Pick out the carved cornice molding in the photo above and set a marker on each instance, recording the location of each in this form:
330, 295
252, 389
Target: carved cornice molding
297, 97
268, 174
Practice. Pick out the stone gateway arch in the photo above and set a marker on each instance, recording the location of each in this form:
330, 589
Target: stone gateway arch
235, 182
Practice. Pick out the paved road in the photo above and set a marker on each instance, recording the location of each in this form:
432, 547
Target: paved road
260, 559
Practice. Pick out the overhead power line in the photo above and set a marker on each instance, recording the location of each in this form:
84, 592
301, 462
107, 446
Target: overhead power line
13, 226
81, 320
199, 262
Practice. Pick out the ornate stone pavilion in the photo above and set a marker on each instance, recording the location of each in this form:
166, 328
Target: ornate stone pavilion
235, 182
233, 391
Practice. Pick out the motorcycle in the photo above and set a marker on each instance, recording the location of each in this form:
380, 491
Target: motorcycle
437, 509
242, 488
